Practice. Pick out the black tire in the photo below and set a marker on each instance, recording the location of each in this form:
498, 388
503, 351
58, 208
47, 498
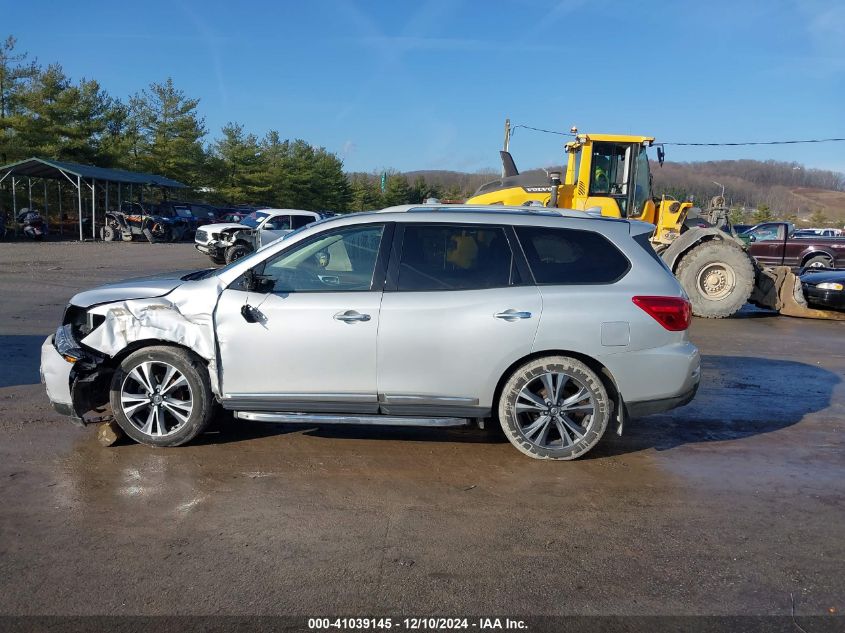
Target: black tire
517, 425
108, 233
819, 261
197, 387
718, 277
236, 251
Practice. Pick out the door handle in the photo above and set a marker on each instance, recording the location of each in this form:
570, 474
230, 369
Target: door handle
512, 315
350, 316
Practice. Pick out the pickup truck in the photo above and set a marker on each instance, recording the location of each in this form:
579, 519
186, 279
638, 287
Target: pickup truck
227, 242
775, 244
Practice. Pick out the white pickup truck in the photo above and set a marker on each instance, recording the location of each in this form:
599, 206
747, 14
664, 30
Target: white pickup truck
225, 243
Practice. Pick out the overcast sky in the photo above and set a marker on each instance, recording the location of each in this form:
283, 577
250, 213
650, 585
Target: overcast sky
428, 84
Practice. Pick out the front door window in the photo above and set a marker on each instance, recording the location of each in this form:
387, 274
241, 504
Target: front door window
339, 261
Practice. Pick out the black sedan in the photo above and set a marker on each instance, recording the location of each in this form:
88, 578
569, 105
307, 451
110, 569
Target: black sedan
824, 288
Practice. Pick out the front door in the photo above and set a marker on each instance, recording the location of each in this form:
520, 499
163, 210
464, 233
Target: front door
313, 347
273, 228
766, 243
458, 312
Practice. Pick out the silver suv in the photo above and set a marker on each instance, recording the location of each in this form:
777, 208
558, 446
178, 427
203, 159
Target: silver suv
554, 323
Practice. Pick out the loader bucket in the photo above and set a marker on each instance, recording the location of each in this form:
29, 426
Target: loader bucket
780, 289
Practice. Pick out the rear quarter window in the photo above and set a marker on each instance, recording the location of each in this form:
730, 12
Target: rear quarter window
571, 256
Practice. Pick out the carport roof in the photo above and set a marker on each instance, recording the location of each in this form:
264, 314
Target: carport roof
48, 168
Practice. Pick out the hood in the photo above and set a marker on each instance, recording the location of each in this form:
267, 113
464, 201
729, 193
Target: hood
137, 288
217, 228
815, 279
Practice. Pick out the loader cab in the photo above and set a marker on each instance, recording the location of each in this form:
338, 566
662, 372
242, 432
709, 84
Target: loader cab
612, 173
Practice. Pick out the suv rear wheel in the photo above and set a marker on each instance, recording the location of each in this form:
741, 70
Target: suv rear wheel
554, 407
161, 396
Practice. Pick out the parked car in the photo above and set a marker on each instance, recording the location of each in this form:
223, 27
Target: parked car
775, 244
227, 242
818, 233
555, 323
185, 223
824, 288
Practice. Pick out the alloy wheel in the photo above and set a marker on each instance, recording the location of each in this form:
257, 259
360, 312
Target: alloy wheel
156, 398
554, 410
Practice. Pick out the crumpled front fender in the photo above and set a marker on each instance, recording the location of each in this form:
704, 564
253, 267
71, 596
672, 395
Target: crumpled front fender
183, 318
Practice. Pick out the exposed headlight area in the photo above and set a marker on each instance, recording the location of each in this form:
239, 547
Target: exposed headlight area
81, 322
66, 344
76, 325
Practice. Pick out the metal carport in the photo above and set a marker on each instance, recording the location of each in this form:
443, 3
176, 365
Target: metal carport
78, 175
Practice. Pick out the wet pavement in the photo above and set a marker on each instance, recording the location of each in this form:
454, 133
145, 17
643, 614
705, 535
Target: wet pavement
734, 504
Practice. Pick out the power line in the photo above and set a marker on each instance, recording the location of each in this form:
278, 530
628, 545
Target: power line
810, 140
736, 144
539, 129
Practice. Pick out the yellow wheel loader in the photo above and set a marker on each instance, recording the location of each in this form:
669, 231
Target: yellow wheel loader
609, 174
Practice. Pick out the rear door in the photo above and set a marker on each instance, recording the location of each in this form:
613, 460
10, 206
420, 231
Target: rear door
458, 308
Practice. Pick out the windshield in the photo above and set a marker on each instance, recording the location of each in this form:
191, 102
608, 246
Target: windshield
182, 212
254, 219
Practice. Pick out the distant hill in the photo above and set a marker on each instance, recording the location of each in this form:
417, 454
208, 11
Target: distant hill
789, 190
831, 203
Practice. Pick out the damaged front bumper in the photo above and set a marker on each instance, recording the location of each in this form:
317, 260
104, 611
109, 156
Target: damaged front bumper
68, 374
213, 249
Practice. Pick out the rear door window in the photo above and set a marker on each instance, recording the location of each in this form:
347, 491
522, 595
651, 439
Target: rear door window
298, 221
571, 256
455, 257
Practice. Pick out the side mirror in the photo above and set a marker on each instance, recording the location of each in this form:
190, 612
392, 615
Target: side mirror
751, 238
269, 226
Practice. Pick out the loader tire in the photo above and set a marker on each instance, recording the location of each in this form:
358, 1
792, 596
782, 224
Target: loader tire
717, 277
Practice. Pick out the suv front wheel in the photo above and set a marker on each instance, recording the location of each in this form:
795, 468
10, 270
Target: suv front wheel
554, 407
161, 396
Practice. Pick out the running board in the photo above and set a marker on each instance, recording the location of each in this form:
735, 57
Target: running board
366, 420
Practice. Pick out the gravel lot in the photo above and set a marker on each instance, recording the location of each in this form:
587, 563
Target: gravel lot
726, 506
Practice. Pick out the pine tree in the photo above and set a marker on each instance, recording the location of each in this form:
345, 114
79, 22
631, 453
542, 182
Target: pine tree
239, 167
16, 73
365, 194
397, 190
762, 214
65, 121
419, 190
170, 133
